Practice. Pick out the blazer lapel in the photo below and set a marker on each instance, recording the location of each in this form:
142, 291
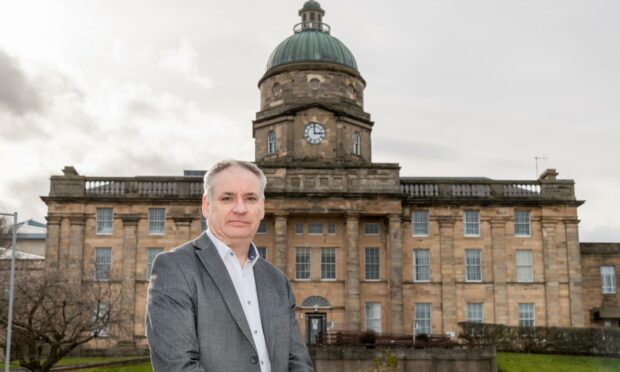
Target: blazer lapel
265, 302
210, 258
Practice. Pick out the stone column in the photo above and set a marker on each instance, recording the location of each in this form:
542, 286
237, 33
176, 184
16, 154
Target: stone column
76, 247
500, 279
574, 273
448, 275
352, 302
128, 278
281, 242
552, 285
396, 274
52, 242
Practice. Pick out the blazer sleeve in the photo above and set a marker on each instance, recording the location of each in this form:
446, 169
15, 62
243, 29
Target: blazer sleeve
170, 319
298, 357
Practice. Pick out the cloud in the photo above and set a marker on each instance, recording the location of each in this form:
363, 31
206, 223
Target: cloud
17, 93
183, 60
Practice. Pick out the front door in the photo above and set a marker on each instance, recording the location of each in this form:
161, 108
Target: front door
315, 323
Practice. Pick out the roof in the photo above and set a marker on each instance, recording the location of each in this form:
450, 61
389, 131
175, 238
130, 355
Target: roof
599, 248
7, 254
32, 230
311, 45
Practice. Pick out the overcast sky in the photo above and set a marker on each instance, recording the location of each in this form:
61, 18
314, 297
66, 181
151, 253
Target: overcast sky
456, 88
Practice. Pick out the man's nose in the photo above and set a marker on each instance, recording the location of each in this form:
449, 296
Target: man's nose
239, 206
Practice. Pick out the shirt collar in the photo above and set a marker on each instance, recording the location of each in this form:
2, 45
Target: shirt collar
224, 251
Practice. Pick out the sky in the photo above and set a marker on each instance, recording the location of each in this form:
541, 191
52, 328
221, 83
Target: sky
456, 88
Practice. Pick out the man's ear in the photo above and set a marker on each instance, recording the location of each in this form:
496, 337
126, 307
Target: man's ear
205, 207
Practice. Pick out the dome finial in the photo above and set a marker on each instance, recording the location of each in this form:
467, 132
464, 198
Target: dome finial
312, 17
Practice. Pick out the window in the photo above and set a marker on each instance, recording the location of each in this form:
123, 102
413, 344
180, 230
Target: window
150, 257
373, 316
331, 229
419, 223
104, 221
371, 229
103, 263
524, 266
356, 143
473, 272
299, 229
422, 319
302, 264
608, 279
328, 263
271, 142
471, 223
101, 318
372, 264
474, 313
157, 220
315, 228
527, 316
262, 228
421, 268
262, 252
522, 223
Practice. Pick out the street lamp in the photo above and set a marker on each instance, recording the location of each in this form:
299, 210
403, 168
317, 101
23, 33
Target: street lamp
11, 284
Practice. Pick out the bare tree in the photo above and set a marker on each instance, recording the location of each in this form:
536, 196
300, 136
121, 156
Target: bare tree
6, 234
54, 314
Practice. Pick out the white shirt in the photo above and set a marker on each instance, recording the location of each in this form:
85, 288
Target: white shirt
245, 286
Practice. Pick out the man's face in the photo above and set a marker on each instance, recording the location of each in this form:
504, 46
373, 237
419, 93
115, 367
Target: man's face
236, 208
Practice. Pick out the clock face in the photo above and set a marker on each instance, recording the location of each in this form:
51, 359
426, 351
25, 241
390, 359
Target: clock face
314, 133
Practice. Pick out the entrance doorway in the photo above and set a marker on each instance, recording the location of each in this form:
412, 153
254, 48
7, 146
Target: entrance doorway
315, 323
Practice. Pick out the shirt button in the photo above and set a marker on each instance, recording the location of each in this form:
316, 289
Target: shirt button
255, 331
262, 362
249, 302
254, 360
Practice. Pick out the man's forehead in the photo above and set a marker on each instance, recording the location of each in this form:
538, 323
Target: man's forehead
236, 180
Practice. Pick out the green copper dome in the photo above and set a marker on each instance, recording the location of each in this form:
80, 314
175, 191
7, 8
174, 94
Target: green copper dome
311, 42
311, 45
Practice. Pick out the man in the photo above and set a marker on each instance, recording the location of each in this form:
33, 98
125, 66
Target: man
215, 305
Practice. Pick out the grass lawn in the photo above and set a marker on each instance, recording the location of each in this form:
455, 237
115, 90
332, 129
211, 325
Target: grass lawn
519, 362
76, 360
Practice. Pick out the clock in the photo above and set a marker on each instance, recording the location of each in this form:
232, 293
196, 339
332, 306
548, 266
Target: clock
314, 133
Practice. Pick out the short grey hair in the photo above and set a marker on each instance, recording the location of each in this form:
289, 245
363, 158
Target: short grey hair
218, 167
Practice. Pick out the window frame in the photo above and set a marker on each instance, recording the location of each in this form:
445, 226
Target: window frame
608, 286
305, 251
98, 275
101, 222
271, 142
473, 265
152, 221
151, 253
357, 143
522, 223
298, 232
523, 311
372, 316
425, 223
424, 308
326, 267
467, 223
416, 265
331, 228
367, 265
520, 266
368, 224
471, 312
311, 225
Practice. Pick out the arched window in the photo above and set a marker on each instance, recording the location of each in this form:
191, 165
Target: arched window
357, 143
316, 301
271, 142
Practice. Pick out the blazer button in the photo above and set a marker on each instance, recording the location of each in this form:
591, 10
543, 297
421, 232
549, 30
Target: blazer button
254, 360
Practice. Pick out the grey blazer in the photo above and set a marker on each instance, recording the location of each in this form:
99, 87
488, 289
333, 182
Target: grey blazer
195, 322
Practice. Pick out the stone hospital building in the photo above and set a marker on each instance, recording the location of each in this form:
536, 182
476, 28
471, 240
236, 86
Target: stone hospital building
364, 246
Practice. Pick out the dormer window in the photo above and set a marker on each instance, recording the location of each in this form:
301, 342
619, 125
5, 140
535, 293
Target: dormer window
271, 142
356, 143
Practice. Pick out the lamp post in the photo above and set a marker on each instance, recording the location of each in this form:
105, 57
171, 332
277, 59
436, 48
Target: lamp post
11, 284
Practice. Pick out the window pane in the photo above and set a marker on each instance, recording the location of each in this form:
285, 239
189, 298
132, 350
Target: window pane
474, 312
527, 317
315, 228
331, 229
299, 228
157, 218
473, 270
371, 229
372, 264
421, 265
302, 263
373, 316
103, 263
608, 279
524, 266
328, 263
271, 142
262, 228
150, 257
522, 223
420, 223
104, 221
262, 252
422, 319
472, 223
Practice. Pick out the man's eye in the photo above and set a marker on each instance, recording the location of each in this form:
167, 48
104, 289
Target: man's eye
251, 198
226, 198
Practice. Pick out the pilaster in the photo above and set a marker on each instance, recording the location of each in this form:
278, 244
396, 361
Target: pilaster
52, 242
352, 302
396, 274
448, 275
574, 273
552, 284
499, 256
128, 278
76, 247
281, 241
